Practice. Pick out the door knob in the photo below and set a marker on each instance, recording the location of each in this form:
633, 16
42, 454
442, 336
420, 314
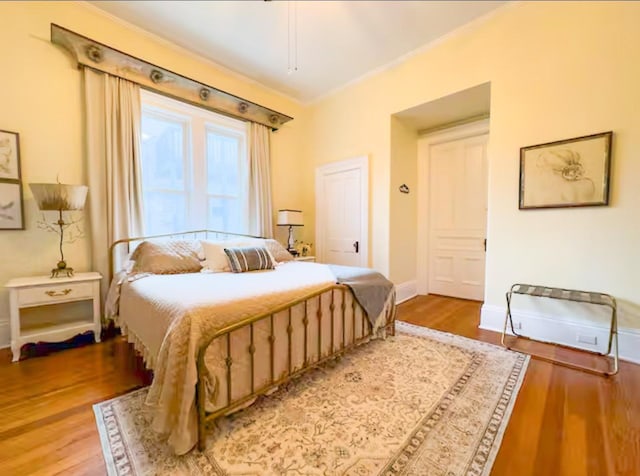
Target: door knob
356, 246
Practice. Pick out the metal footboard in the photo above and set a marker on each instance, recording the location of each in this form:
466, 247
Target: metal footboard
339, 343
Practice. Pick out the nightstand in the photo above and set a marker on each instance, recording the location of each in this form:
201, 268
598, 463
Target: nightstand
37, 292
305, 258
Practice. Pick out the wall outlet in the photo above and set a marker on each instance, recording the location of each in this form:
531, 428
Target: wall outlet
584, 339
517, 325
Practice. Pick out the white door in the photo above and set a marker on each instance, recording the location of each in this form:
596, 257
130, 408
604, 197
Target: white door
342, 211
458, 217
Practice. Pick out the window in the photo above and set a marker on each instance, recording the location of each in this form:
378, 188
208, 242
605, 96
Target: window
194, 168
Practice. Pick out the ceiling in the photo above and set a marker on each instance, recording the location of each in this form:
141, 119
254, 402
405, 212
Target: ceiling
338, 42
472, 103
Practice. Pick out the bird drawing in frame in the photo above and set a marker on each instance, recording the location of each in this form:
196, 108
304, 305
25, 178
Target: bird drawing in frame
5, 156
4, 209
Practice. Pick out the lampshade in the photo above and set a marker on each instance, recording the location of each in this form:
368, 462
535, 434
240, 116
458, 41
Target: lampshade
290, 218
59, 196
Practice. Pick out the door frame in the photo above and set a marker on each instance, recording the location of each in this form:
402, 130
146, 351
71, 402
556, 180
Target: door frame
423, 197
360, 163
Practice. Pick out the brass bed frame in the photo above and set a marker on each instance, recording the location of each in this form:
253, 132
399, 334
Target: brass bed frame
338, 344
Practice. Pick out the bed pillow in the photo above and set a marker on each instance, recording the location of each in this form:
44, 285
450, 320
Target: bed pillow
168, 257
215, 259
278, 252
252, 258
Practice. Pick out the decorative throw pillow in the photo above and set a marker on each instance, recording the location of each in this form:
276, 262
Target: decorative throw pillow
249, 259
215, 258
278, 252
168, 257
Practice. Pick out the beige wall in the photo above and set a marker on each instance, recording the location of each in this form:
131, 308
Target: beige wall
403, 230
557, 70
40, 97
343, 130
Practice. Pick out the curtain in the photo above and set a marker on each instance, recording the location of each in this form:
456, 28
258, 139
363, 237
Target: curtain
260, 212
112, 134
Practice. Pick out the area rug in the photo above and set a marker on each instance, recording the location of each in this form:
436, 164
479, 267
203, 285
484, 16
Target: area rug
420, 403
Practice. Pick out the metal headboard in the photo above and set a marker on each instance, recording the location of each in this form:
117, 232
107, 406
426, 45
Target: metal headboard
193, 235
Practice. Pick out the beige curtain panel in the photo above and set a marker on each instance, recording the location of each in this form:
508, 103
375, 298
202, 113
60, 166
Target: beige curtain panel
260, 210
113, 119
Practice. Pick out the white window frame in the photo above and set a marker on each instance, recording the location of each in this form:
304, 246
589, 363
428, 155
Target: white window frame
157, 111
198, 122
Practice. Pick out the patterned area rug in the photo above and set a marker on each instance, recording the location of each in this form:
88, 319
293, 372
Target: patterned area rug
420, 403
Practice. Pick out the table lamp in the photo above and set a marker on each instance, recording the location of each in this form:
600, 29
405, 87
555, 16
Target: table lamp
59, 197
290, 218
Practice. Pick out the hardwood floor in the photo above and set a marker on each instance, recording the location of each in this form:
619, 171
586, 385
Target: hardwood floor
47, 425
565, 422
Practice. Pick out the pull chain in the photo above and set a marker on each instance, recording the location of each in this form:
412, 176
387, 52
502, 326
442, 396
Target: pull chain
292, 42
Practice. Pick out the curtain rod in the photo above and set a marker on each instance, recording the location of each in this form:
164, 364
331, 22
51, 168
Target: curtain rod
98, 56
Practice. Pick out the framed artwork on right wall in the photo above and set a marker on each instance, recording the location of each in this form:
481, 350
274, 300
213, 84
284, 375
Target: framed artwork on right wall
567, 173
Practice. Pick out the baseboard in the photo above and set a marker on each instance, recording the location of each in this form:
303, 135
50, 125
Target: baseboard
406, 291
548, 328
5, 334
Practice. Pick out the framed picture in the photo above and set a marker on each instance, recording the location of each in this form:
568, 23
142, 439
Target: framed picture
9, 156
566, 173
11, 208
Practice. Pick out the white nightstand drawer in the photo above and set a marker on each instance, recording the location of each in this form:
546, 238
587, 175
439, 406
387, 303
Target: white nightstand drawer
54, 293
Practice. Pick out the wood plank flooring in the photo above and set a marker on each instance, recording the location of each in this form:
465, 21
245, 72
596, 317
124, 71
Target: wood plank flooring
565, 422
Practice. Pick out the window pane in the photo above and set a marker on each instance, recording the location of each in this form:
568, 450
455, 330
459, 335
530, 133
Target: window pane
223, 165
194, 168
164, 212
225, 214
162, 153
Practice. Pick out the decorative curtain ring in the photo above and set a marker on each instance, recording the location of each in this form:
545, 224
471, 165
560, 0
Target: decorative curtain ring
156, 76
94, 53
204, 94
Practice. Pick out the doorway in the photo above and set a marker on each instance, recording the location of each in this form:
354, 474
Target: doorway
342, 212
452, 235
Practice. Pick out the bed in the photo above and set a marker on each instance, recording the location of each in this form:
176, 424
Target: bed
218, 341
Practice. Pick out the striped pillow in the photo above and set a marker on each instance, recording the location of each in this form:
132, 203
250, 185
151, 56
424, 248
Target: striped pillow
249, 259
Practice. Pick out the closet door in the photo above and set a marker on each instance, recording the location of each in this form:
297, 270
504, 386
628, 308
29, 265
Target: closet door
342, 209
458, 217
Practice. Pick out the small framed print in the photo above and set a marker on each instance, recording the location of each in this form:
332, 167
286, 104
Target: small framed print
567, 173
11, 206
9, 155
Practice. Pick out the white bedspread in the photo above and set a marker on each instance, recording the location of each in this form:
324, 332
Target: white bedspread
170, 316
